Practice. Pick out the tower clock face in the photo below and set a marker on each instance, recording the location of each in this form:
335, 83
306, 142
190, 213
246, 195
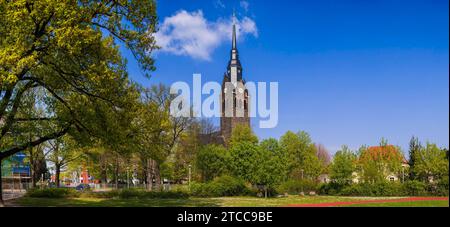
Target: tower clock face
241, 90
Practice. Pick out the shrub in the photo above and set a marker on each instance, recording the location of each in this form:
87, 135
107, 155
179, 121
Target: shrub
374, 189
415, 188
384, 188
442, 187
220, 186
354, 190
137, 194
53, 193
296, 186
329, 188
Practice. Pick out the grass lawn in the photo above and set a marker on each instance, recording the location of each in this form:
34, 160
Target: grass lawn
216, 202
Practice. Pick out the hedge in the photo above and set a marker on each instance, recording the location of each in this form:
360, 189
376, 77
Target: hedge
53, 193
409, 188
221, 186
296, 187
120, 194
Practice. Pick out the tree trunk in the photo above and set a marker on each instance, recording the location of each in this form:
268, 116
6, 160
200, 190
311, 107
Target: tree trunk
104, 175
57, 174
157, 174
265, 192
1, 186
116, 174
149, 174
32, 170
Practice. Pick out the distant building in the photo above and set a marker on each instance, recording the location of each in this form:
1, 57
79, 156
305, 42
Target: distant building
389, 152
15, 166
15, 172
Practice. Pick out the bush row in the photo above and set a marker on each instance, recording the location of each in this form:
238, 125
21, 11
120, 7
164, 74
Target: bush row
221, 186
120, 194
229, 186
296, 187
409, 188
53, 193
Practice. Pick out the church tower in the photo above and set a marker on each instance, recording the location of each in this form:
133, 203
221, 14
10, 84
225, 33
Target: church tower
234, 97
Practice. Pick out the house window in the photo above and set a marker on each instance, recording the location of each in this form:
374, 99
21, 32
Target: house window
392, 179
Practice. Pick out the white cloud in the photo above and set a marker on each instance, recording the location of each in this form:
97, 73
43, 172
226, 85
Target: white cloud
191, 34
244, 4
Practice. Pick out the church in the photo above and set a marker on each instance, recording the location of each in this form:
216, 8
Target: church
234, 99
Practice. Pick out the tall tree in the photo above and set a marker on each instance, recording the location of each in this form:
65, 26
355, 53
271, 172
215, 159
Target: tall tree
271, 168
431, 163
377, 162
323, 154
242, 133
212, 162
60, 153
69, 49
303, 161
414, 147
343, 166
156, 131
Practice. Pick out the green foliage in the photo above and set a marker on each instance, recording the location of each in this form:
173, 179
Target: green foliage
331, 188
374, 189
442, 187
244, 158
212, 161
295, 187
343, 166
430, 161
301, 152
64, 56
221, 186
415, 188
414, 147
271, 164
386, 188
243, 133
120, 194
53, 193
136, 194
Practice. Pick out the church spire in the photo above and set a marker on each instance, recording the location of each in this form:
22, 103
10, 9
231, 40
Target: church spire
234, 51
234, 36
234, 65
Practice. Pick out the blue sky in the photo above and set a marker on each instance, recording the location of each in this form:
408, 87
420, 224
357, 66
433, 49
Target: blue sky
349, 72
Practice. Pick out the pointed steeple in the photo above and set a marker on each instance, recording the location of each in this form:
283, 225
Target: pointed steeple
234, 37
234, 51
234, 69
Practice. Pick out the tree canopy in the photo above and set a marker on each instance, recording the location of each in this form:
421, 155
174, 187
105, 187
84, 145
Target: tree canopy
69, 51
